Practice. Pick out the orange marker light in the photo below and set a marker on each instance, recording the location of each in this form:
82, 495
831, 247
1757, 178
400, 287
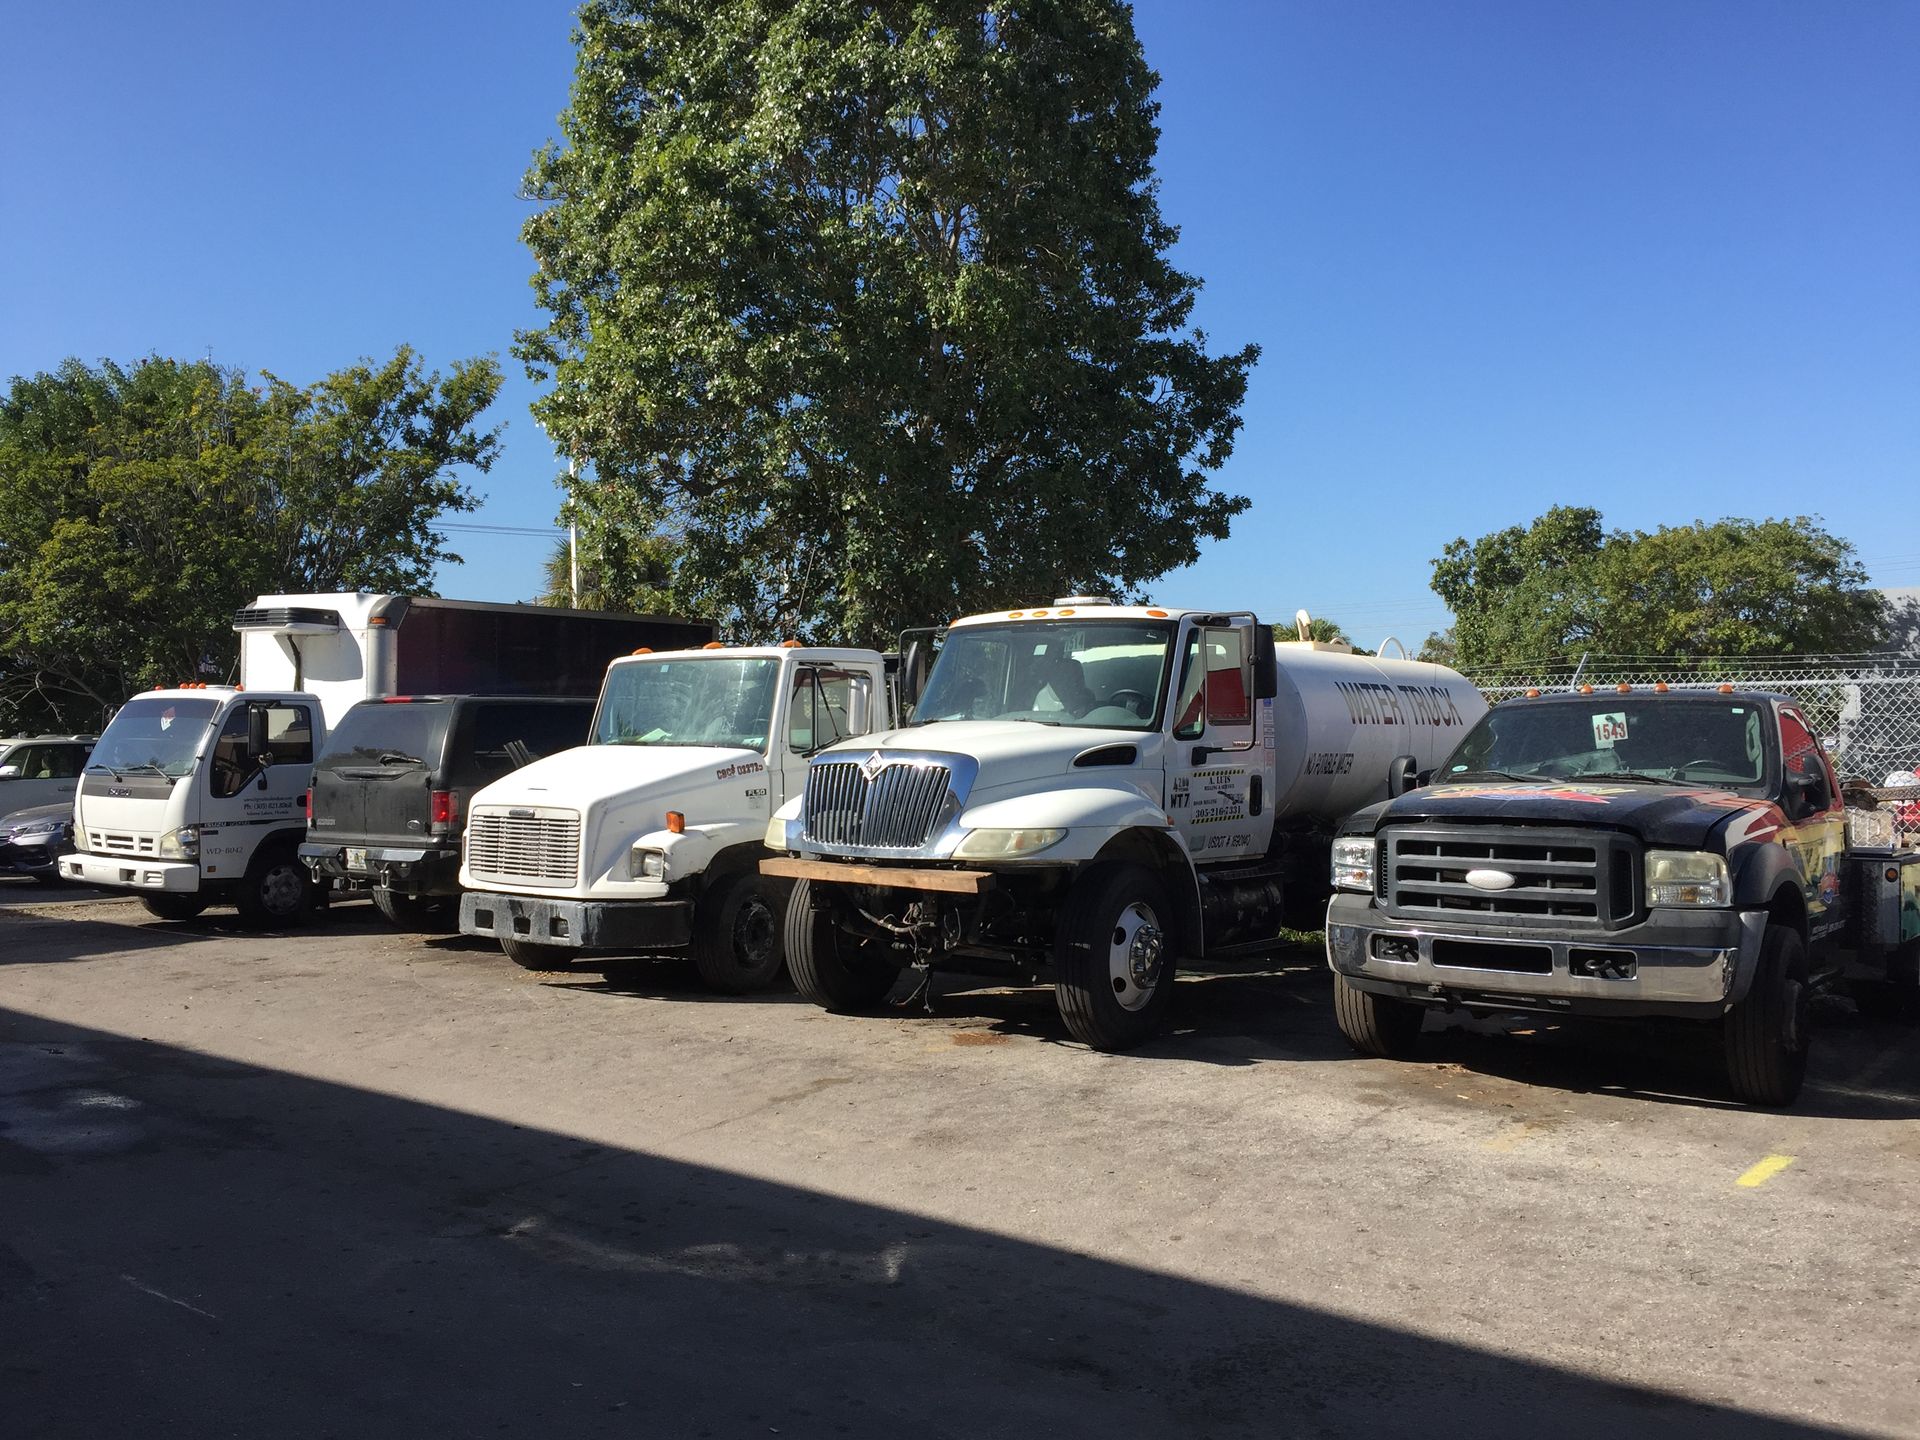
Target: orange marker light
1038, 613
713, 645
1586, 689
1533, 694
676, 823
1623, 688
1158, 614
643, 650
1659, 687
789, 644
1066, 612
1015, 614
1726, 689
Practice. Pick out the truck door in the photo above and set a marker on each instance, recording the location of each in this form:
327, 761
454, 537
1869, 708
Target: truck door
827, 703
1218, 785
1816, 821
256, 780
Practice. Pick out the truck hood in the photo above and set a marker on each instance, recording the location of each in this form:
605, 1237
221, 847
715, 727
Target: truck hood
580, 778
1661, 815
1010, 752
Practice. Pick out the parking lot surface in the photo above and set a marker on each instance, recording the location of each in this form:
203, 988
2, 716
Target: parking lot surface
344, 1181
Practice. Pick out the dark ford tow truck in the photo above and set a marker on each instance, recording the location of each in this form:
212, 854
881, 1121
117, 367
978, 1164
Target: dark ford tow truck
1628, 853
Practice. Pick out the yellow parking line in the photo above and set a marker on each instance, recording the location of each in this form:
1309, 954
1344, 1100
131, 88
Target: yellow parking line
1764, 1171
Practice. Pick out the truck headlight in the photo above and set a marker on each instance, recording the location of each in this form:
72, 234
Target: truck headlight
1687, 877
1004, 844
776, 836
1353, 862
647, 864
181, 844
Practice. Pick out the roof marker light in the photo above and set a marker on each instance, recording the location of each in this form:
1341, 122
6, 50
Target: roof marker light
713, 645
676, 823
1586, 689
1726, 689
1533, 694
1623, 688
643, 650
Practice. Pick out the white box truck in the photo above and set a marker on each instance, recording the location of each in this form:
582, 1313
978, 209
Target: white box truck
195, 794
648, 838
1095, 792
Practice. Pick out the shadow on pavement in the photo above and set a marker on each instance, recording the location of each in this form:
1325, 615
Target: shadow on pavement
195, 1246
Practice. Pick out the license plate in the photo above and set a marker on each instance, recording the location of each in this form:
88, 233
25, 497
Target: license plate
356, 857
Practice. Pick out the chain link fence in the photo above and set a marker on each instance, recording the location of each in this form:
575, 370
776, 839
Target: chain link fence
1864, 708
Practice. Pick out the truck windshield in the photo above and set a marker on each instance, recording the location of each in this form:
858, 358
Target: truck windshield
722, 701
1109, 674
159, 734
1699, 741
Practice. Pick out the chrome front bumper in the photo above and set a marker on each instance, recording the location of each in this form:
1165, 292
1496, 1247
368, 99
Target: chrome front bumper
1682, 964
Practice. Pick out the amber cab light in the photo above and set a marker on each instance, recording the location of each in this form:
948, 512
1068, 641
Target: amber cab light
676, 823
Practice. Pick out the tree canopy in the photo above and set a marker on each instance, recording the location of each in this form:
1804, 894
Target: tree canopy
140, 506
1564, 584
868, 307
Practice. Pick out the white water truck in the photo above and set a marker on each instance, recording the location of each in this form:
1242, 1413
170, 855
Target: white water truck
1094, 793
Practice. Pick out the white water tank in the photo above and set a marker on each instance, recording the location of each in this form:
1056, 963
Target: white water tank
1340, 720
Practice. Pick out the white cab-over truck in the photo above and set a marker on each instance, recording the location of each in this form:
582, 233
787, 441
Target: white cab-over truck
1095, 792
195, 795
648, 839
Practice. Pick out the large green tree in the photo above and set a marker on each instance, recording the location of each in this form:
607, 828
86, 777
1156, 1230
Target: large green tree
870, 307
141, 505
1564, 584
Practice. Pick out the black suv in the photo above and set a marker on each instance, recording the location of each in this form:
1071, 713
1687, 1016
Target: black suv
390, 791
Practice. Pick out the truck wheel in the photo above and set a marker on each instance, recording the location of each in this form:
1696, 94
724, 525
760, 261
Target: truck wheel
833, 970
1765, 1035
277, 890
736, 934
531, 955
1115, 951
1376, 1025
174, 907
428, 914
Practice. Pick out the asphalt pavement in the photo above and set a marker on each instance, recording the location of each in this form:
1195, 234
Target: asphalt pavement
347, 1182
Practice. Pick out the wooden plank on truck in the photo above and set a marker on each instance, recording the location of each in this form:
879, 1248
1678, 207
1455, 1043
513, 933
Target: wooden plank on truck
837, 872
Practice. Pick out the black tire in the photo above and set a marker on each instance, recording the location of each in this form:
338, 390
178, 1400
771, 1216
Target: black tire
832, 969
427, 914
530, 955
1765, 1035
277, 890
1376, 1025
165, 906
737, 941
1116, 947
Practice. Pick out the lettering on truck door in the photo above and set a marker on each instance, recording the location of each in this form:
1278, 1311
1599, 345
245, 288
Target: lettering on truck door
248, 793
1218, 775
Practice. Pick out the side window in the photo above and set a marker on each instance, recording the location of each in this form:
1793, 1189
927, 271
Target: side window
290, 734
229, 769
1229, 699
33, 762
67, 761
1190, 709
1800, 755
543, 729
828, 705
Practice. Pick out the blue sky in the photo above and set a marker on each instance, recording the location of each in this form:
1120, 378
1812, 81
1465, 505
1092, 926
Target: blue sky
1659, 258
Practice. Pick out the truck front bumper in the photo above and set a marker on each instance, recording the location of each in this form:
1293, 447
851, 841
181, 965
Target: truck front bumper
410, 869
1678, 963
579, 924
132, 872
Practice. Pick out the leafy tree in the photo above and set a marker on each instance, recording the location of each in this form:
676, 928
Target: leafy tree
1327, 632
869, 305
618, 571
141, 506
1563, 585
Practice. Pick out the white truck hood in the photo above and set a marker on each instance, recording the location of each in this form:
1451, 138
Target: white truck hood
580, 778
1010, 752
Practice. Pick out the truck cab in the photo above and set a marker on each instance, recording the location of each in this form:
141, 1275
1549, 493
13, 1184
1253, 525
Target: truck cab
1616, 852
195, 795
648, 838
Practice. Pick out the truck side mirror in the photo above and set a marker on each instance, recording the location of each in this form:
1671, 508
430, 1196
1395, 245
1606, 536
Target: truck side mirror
256, 731
1807, 789
916, 663
1402, 775
1266, 664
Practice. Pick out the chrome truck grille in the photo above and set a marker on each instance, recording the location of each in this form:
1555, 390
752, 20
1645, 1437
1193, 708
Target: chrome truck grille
530, 848
1553, 877
864, 805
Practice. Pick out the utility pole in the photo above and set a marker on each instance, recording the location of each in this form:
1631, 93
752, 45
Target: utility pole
573, 533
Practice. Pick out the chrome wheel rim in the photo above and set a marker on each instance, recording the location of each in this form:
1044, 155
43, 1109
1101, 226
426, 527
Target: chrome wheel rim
1136, 955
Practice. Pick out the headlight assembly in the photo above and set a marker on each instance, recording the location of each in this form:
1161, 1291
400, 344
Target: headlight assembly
1353, 862
34, 829
647, 864
1005, 844
181, 844
1687, 877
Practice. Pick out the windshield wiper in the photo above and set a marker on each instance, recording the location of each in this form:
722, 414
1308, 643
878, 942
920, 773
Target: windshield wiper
102, 765
1638, 775
394, 757
1492, 775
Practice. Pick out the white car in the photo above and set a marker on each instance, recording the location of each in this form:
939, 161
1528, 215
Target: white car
41, 770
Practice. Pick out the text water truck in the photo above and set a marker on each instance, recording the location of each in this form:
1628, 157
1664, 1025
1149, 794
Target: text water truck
196, 794
649, 838
1095, 792
1632, 853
